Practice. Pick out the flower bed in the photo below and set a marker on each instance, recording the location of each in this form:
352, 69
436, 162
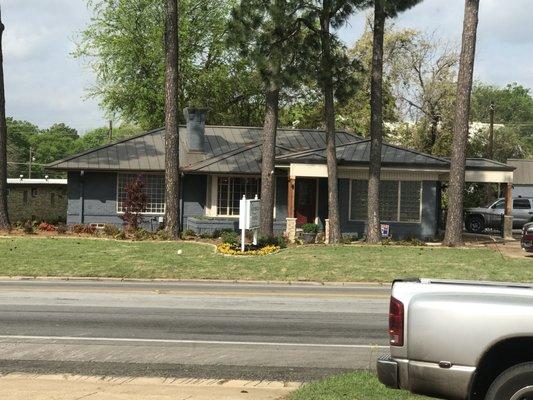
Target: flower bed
228, 249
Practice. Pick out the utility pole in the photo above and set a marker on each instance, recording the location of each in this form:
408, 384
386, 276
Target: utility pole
492, 110
110, 131
489, 192
29, 162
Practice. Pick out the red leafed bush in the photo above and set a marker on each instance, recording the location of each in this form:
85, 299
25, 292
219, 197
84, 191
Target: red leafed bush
135, 203
46, 227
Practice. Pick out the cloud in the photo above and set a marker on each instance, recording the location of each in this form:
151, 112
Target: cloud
505, 35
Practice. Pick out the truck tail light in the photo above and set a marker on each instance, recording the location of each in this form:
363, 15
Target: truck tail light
396, 317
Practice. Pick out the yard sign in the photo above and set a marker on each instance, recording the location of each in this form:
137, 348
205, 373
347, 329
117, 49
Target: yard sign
249, 218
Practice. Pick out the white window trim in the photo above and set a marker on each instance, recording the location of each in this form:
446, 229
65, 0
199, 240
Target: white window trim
399, 206
211, 209
116, 194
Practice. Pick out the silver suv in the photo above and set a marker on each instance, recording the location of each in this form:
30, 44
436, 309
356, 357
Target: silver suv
481, 218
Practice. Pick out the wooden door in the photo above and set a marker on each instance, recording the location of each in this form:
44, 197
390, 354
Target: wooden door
305, 201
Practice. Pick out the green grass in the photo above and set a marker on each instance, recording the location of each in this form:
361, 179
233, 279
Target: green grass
53, 256
353, 386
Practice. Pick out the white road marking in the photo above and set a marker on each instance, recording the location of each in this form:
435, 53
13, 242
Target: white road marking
177, 341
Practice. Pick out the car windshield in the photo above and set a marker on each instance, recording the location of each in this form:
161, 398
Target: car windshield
497, 205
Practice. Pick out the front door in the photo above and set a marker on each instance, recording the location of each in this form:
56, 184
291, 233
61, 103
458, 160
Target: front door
305, 201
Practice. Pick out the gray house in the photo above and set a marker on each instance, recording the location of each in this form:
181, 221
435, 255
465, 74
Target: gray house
220, 164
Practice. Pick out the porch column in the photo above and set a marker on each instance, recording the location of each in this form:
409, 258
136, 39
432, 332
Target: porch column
508, 217
291, 221
291, 197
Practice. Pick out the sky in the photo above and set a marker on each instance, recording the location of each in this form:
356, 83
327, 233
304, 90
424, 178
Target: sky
46, 85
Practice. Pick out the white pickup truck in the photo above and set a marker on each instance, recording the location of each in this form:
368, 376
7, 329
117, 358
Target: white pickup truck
460, 340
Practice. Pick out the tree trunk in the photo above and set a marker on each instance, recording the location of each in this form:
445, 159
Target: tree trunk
454, 224
172, 174
4, 217
376, 126
270, 127
329, 116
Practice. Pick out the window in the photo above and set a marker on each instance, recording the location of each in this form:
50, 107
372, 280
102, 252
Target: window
25, 197
521, 204
388, 202
410, 200
399, 201
154, 188
231, 190
33, 192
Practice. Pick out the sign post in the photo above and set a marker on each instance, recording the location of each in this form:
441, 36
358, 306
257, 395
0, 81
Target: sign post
249, 218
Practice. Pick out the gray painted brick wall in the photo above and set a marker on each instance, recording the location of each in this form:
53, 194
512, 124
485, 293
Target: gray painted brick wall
100, 206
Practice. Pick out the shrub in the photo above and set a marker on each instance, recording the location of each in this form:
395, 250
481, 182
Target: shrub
229, 237
83, 229
111, 230
135, 203
278, 241
189, 233
141, 234
310, 228
28, 227
62, 229
46, 227
163, 235
217, 233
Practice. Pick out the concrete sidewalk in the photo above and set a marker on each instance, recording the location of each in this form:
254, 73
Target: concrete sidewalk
74, 387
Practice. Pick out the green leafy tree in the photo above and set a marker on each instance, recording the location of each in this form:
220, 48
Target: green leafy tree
268, 32
54, 143
100, 136
383, 9
19, 134
123, 45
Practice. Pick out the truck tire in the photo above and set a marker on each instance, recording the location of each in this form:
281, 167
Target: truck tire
475, 224
515, 383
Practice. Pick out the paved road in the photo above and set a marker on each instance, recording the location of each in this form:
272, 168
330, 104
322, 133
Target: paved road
230, 331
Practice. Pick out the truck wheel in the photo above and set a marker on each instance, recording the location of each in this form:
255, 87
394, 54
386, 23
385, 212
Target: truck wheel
516, 383
475, 224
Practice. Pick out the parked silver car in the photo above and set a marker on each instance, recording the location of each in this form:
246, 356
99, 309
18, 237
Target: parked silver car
460, 340
481, 218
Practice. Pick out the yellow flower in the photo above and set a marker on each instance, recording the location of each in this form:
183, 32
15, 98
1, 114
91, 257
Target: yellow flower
227, 249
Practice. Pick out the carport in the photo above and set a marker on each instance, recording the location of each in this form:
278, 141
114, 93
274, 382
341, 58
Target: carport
482, 170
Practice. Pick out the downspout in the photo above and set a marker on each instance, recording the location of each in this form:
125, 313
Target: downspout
82, 197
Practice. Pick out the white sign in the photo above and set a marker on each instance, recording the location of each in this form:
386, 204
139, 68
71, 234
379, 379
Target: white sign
249, 213
249, 218
385, 230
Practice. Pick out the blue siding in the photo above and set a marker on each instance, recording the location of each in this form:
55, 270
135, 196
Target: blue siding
426, 229
99, 193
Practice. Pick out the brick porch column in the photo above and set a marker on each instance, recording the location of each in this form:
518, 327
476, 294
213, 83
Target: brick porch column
326, 231
291, 229
508, 217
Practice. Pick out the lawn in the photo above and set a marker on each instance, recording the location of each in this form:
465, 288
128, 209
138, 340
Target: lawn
353, 386
77, 257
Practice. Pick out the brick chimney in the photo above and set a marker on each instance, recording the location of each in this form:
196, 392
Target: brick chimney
195, 118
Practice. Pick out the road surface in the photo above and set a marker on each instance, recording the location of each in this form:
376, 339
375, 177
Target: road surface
223, 331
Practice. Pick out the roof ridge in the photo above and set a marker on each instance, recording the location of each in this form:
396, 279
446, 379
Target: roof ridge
303, 152
209, 161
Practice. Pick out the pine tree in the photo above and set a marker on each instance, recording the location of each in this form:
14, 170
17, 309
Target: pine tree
4, 217
268, 32
172, 174
454, 222
382, 10
322, 18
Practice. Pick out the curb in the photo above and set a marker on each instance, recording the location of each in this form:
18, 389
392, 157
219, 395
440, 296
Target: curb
195, 281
